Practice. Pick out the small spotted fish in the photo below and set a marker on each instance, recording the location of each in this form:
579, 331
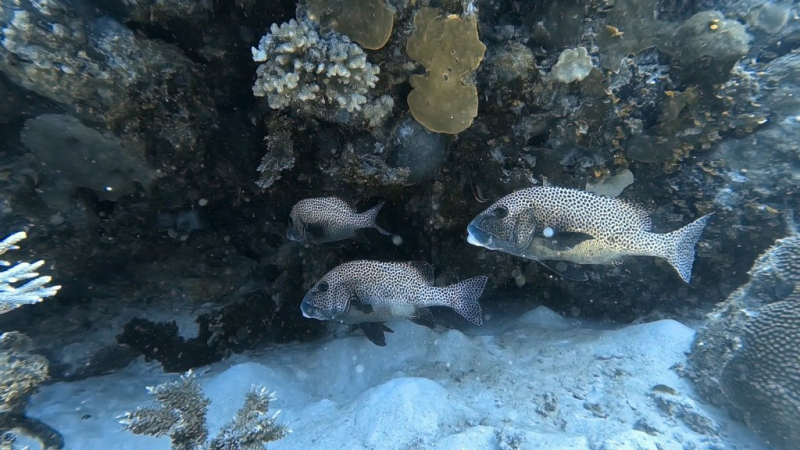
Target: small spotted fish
369, 293
328, 219
559, 224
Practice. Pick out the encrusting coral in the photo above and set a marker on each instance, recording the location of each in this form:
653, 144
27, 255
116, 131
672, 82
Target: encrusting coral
449, 49
367, 22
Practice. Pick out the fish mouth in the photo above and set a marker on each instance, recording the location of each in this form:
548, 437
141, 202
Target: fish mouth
313, 312
310, 311
291, 235
477, 237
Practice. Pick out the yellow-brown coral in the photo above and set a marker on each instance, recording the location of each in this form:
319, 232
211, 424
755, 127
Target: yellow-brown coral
367, 22
449, 48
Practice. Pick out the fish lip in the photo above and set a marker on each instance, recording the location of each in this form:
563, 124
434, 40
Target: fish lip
309, 311
291, 236
312, 312
477, 237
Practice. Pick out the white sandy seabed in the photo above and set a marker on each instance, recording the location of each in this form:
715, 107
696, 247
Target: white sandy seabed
537, 381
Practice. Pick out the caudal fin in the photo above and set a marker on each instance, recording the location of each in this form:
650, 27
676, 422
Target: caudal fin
463, 298
682, 243
370, 216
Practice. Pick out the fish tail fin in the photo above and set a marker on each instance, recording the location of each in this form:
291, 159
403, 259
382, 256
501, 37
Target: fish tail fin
463, 298
370, 215
682, 243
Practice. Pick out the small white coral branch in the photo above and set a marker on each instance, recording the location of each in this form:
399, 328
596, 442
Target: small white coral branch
34, 291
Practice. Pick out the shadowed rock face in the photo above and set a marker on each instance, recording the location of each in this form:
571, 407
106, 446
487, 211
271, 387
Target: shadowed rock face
104, 71
747, 357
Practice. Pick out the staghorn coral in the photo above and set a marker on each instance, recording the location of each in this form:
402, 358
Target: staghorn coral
449, 49
34, 291
747, 357
252, 426
181, 414
307, 71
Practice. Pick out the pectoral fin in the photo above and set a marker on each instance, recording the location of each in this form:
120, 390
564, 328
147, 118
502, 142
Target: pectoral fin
315, 231
364, 308
374, 331
424, 317
563, 241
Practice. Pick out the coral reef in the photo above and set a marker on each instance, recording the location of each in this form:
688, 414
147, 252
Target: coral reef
367, 22
103, 71
185, 260
21, 372
14, 295
573, 65
181, 415
308, 71
448, 48
747, 356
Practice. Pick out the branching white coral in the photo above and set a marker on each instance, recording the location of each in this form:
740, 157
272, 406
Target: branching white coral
12, 294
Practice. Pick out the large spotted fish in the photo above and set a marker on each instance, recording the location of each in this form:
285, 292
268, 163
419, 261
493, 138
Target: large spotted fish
328, 219
559, 224
369, 293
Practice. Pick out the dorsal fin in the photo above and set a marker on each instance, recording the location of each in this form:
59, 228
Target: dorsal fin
642, 212
425, 269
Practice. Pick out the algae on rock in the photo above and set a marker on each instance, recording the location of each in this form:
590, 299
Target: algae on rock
449, 49
769, 17
367, 22
707, 45
630, 27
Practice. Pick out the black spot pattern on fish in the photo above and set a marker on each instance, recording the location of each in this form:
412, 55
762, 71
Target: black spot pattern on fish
617, 228
393, 289
328, 219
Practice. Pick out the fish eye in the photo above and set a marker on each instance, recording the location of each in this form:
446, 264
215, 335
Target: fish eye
322, 286
501, 212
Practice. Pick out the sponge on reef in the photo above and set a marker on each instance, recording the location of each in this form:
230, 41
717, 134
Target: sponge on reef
449, 49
